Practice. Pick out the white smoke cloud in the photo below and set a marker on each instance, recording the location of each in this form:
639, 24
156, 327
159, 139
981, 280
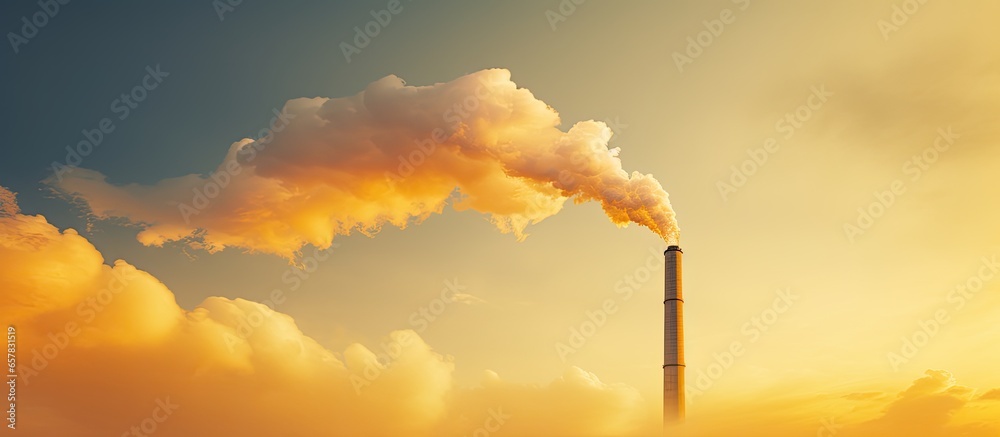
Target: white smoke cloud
392, 154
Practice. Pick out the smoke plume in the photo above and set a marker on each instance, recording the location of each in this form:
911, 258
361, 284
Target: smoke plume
390, 154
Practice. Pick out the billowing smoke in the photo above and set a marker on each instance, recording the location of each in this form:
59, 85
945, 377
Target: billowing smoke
391, 154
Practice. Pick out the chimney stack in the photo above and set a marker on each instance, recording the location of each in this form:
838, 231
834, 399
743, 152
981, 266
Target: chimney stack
673, 338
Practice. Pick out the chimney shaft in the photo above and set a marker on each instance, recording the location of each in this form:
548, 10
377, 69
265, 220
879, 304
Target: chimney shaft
673, 338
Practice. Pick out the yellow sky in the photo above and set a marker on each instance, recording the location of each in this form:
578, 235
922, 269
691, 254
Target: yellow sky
830, 359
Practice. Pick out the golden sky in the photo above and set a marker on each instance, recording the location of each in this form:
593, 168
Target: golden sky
832, 167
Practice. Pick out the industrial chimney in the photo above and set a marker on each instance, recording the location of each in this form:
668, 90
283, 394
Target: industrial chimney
673, 338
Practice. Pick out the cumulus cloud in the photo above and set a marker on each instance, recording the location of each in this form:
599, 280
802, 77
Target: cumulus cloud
934, 405
104, 348
927, 408
8, 205
392, 154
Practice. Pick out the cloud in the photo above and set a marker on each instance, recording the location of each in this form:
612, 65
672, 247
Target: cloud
392, 154
102, 347
468, 299
931, 406
8, 204
992, 395
927, 408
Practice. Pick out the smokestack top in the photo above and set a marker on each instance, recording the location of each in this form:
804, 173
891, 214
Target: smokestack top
673, 249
